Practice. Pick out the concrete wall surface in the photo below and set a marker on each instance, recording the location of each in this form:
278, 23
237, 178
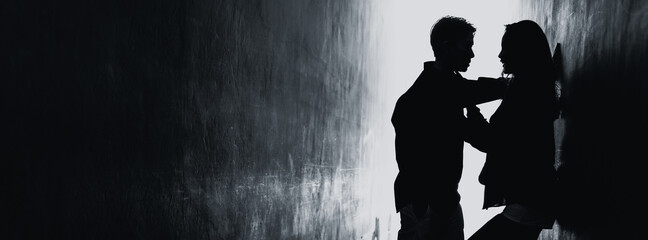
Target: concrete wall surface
601, 134
187, 119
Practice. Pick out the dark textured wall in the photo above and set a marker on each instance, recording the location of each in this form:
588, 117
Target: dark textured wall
605, 118
186, 120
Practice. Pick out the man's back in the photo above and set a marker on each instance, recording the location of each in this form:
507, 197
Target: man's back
429, 141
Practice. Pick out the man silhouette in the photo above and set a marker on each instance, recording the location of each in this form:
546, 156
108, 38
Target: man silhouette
429, 123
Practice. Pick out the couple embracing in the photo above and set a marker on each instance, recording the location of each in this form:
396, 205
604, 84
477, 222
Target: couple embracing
518, 139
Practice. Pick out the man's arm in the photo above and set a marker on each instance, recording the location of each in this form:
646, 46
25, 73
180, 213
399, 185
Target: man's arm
483, 90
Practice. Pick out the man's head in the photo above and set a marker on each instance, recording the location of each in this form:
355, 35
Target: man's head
452, 40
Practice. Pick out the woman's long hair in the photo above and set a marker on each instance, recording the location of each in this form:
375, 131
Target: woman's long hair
535, 67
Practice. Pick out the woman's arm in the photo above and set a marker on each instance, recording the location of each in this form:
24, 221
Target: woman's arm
477, 129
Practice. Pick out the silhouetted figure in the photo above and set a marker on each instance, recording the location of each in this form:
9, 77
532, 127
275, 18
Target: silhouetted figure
519, 170
429, 122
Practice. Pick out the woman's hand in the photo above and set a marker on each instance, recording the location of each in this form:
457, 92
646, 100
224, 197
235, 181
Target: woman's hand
473, 114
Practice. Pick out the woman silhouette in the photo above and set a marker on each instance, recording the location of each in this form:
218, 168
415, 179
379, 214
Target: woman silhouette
519, 170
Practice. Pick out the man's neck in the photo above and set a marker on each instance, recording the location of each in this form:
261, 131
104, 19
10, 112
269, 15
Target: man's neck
443, 68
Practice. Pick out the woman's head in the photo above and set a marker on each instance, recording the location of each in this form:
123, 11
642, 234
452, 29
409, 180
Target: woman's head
526, 54
525, 50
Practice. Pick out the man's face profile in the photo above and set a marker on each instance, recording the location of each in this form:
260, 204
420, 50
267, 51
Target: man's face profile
462, 53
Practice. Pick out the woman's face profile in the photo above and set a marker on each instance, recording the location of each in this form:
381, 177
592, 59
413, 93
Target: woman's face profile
508, 56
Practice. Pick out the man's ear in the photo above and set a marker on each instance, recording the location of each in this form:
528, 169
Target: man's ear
445, 47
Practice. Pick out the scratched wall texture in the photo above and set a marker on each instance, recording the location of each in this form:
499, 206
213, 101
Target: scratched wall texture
187, 120
605, 117
276, 118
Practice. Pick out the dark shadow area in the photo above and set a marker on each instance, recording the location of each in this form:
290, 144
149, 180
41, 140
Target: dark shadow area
604, 124
604, 147
90, 112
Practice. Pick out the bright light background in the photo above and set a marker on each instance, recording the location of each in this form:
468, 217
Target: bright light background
404, 27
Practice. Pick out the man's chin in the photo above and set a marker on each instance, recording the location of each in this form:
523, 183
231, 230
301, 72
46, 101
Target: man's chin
462, 69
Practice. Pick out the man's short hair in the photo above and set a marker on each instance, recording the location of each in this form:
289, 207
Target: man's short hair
449, 29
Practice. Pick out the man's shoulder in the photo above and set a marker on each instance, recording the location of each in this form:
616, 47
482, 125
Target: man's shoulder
417, 90
421, 94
